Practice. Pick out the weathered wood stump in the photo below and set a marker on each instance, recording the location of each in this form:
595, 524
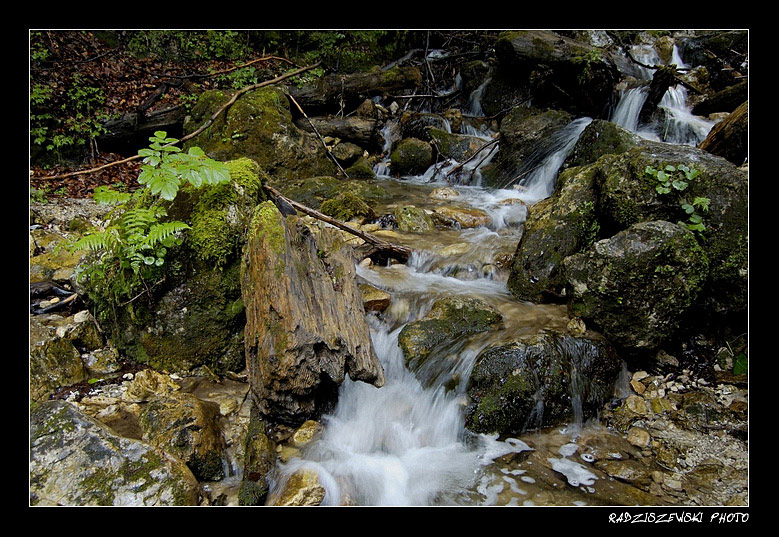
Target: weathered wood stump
305, 322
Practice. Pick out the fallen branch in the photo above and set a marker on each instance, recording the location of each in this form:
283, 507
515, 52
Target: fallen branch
329, 153
396, 251
203, 127
466, 161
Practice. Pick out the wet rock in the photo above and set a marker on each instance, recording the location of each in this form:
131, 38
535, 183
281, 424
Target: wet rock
77, 461
449, 319
458, 147
413, 219
556, 228
637, 286
189, 429
347, 206
302, 489
347, 153
461, 218
374, 299
538, 381
444, 193
411, 156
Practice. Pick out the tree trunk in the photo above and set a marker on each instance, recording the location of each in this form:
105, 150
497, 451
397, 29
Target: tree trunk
334, 93
729, 138
351, 129
305, 322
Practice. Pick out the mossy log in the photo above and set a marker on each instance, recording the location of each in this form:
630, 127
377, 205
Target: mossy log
331, 92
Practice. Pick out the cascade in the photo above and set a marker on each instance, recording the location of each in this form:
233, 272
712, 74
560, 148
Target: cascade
405, 444
680, 125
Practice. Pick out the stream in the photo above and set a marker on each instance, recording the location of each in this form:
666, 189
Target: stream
405, 444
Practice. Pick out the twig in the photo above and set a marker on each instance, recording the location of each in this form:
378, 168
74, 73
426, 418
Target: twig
329, 153
398, 251
466, 161
196, 132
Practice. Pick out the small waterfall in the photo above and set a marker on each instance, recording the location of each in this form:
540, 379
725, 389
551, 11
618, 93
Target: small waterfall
402, 444
629, 107
539, 172
680, 126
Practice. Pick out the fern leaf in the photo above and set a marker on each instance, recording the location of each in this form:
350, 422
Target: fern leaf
160, 232
92, 242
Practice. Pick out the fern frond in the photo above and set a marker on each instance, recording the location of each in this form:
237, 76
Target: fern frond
160, 232
137, 221
92, 242
107, 196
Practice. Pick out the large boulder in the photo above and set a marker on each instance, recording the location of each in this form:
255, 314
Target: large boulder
556, 227
637, 286
411, 156
77, 461
193, 316
523, 132
561, 72
258, 125
305, 322
617, 191
539, 381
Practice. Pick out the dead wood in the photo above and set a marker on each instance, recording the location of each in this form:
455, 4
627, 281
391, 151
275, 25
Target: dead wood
379, 247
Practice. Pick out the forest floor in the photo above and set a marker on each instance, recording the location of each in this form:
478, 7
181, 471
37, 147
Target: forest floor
127, 84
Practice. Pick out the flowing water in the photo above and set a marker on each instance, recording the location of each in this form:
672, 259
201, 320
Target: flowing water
680, 126
405, 443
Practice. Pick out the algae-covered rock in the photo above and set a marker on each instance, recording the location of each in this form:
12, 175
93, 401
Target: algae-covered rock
346, 206
539, 381
555, 228
638, 285
77, 461
458, 147
449, 319
258, 125
313, 191
187, 428
411, 156
413, 219
193, 314
628, 195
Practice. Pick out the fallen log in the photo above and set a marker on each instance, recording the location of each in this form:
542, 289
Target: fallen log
332, 93
379, 248
357, 130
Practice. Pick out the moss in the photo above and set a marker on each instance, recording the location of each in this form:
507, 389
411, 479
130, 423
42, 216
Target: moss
212, 236
267, 226
345, 206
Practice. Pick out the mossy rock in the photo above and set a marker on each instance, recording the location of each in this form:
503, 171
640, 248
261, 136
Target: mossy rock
312, 191
637, 286
193, 315
411, 156
458, 147
347, 206
361, 169
258, 125
555, 228
449, 319
412, 219
539, 381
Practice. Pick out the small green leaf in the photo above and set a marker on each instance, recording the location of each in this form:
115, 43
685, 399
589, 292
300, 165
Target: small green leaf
696, 219
662, 176
689, 209
670, 168
678, 184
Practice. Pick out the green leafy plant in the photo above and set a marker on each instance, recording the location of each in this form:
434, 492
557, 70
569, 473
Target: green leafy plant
677, 179
132, 248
